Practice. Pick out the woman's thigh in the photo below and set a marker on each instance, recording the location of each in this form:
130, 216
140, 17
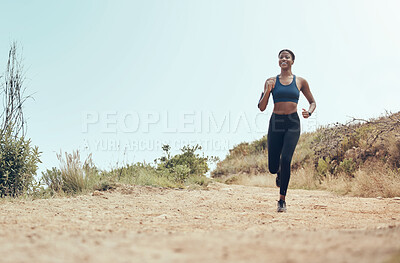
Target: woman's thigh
289, 143
275, 144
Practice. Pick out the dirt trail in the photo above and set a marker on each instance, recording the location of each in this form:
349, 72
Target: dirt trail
227, 223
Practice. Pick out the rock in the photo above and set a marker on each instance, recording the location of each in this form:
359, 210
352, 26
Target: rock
351, 153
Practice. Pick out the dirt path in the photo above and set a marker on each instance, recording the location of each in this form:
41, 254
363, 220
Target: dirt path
227, 223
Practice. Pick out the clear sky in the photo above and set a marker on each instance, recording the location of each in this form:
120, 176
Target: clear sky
120, 78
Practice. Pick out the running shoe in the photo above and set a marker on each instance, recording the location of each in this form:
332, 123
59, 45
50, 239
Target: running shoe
278, 179
281, 206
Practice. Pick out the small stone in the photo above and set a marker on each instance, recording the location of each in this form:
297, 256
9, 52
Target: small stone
178, 250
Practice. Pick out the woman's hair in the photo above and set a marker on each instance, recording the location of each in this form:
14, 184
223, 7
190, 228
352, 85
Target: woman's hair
287, 50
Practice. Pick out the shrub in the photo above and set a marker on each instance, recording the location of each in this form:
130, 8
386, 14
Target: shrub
181, 172
324, 166
181, 166
76, 177
18, 159
394, 151
260, 145
138, 174
18, 164
53, 179
347, 166
242, 149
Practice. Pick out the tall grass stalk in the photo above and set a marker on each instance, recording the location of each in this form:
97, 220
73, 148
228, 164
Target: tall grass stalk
76, 176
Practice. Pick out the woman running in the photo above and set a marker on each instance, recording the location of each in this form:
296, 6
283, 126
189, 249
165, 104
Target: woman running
284, 125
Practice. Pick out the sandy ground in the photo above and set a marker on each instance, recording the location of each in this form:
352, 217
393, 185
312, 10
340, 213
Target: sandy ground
227, 223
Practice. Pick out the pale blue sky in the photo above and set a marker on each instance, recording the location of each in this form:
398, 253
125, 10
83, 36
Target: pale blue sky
157, 60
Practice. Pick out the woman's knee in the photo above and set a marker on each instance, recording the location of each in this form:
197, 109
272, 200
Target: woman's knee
273, 163
273, 170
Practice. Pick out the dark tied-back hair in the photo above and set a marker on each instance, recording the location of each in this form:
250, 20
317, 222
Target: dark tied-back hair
287, 50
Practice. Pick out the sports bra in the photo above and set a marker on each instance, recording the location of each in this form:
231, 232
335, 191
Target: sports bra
285, 92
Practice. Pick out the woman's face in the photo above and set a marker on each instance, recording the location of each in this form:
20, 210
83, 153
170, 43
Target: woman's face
285, 60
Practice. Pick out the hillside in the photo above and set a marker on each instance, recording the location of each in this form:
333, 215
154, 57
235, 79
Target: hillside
360, 157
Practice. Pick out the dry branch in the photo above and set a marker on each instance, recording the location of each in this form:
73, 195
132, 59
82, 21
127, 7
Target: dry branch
12, 117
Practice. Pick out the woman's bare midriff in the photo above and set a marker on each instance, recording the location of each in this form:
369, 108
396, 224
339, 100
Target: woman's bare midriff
285, 107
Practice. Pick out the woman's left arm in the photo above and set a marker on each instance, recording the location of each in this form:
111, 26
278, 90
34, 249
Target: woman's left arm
305, 88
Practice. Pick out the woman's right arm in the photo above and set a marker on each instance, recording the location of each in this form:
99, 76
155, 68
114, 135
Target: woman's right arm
268, 86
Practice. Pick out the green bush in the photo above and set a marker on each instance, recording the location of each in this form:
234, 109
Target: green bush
18, 164
75, 176
260, 145
181, 166
324, 166
138, 174
347, 166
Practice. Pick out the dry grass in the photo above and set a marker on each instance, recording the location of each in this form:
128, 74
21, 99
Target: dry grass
76, 176
303, 151
304, 178
254, 164
376, 181
340, 184
262, 180
370, 181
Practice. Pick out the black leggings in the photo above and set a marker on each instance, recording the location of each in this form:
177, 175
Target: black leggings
283, 134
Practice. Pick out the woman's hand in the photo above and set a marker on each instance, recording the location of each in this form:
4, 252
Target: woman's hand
269, 85
305, 113
306, 91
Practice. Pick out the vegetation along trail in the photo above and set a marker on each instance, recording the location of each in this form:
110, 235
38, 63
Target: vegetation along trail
224, 223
